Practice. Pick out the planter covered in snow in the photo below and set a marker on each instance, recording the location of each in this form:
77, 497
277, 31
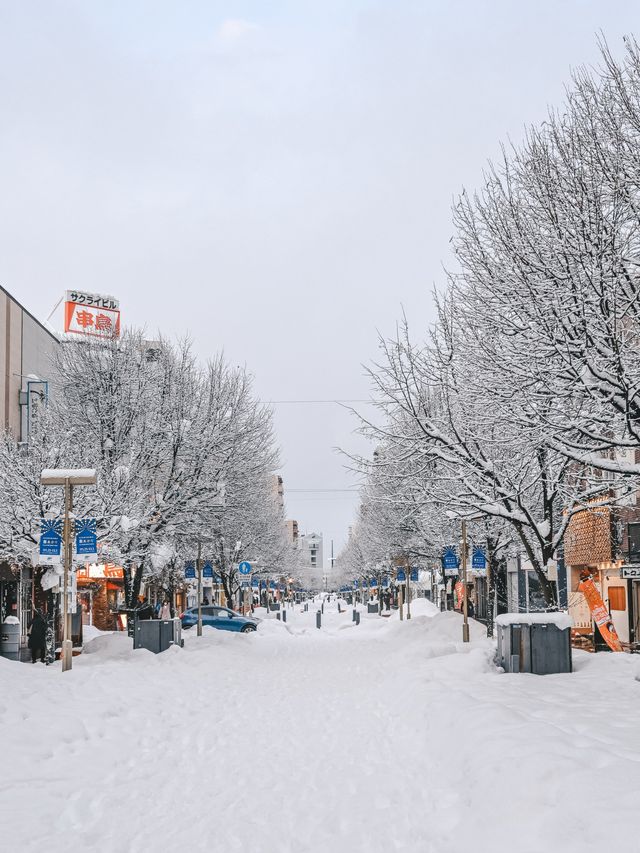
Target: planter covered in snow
534, 642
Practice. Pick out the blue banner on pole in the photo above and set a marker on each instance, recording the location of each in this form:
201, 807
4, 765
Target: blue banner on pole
385, 582
255, 583
478, 561
450, 560
207, 570
401, 576
373, 583
190, 569
50, 537
414, 575
86, 538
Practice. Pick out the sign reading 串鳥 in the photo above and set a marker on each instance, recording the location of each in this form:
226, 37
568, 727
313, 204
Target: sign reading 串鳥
91, 314
50, 540
189, 570
478, 561
86, 539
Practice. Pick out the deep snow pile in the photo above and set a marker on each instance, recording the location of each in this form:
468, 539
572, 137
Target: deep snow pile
389, 736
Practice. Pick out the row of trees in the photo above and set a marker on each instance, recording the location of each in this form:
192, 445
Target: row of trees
184, 453
522, 406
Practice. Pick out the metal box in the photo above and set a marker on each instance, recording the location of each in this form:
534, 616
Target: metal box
539, 647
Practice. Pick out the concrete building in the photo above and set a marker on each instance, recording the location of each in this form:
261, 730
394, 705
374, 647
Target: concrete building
292, 532
311, 556
26, 350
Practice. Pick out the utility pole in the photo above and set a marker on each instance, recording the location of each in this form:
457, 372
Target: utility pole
465, 623
408, 592
199, 570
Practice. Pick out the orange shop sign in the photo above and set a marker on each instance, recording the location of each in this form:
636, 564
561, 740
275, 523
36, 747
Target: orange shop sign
91, 314
100, 571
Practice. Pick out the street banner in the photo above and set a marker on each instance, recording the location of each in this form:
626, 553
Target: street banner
50, 541
414, 575
86, 539
450, 562
373, 583
478, 561
207, 570
401, 576
459, 593
599, 612
189, 570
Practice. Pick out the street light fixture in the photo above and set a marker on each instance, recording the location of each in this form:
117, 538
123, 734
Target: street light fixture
67, 477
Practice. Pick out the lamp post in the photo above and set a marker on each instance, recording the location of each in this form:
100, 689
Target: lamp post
465, 603
67, 477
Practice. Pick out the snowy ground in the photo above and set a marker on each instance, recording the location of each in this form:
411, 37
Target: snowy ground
386, 737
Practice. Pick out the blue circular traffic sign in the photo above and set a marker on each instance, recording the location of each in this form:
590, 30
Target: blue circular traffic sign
244, 567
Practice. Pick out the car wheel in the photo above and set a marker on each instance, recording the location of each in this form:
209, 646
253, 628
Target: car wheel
247, 629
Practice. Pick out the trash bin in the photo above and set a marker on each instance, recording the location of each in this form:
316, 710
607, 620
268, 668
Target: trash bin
372, 608
10, 638
539, 643
156, 635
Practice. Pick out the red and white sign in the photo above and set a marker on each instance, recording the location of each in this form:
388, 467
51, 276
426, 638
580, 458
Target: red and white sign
90, 314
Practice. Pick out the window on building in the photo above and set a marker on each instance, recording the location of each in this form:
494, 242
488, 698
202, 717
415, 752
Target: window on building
634, 540
617, 598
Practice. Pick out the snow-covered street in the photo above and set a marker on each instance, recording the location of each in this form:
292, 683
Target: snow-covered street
386, 736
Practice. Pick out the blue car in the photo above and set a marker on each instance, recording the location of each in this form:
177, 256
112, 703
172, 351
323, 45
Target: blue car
218, 617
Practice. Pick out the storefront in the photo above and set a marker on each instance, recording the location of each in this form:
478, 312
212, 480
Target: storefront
100, 594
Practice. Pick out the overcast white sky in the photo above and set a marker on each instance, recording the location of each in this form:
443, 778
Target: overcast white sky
272, 177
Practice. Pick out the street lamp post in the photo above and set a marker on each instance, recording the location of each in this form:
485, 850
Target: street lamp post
67, 477
465, 603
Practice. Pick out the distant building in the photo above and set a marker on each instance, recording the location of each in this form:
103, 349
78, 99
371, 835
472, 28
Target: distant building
311, 556
278, 489
292, 532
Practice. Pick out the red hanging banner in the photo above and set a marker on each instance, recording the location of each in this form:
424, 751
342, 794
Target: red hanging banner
601, 615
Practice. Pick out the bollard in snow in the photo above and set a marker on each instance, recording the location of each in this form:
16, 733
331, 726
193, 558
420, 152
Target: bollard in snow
284, 615
339, 610
319, 619
353, 615
278, 615
357, 617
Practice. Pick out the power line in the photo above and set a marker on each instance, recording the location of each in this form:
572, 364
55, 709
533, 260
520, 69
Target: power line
288, 491
306, 402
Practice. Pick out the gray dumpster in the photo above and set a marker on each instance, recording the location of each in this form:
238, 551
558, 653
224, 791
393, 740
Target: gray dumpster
539, 643
157, 635
10, 638
372, 608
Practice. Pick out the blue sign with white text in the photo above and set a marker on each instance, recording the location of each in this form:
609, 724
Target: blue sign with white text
189, 570
207, 570
450, 559
414, 575
401, 576
50, 537
478, 561
86, 539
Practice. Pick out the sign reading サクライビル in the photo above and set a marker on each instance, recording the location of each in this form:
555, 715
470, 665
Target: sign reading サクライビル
91, 314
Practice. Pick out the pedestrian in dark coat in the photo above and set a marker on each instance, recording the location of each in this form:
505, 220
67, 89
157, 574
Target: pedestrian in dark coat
38, 637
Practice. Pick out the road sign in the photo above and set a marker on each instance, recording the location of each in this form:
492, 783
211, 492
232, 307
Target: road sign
401, 576
207, 570
50, 540
630, 571
86, 539
478, 561
414, 575
244, 567
189, 570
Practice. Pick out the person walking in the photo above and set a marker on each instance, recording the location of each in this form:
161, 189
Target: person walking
165, 613
38, 637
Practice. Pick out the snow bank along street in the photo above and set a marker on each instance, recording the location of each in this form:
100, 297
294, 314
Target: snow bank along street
382, 737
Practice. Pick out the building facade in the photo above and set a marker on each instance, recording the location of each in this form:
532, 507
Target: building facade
27, 348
